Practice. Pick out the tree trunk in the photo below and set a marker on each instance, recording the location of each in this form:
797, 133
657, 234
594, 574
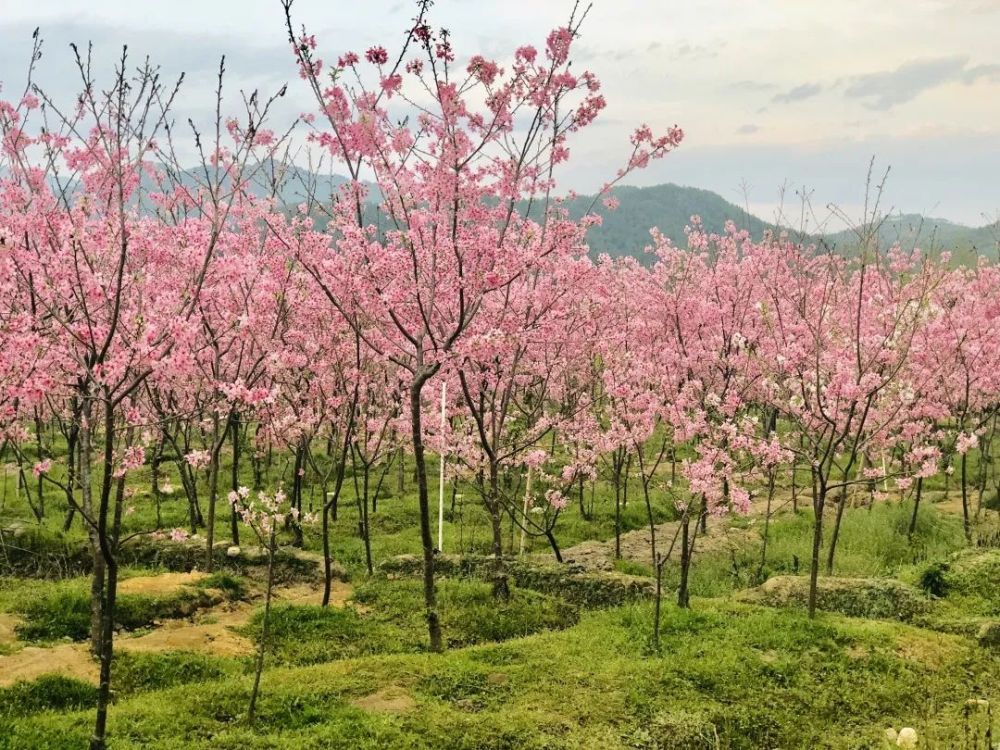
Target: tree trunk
251, 711
234, 525
72, 440
87, 492
916, 508
430, 593
552, 543
297, 538
819, 501
363, 515
841, 505
657, 605
618, 521
683, 595
108, 540
213, 492
966, 524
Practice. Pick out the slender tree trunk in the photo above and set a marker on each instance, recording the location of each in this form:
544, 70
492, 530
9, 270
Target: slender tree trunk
683, 595
628, 471
501, 589
835, 536
41, 482
259, 670
819, 500
658, 602
234, 524
916, 508
72, 447
213, 491
363, 513
552, 543
327, 557
618, 520
297, 538
767, 528
108, 539
430, 592
966, 524
86, 490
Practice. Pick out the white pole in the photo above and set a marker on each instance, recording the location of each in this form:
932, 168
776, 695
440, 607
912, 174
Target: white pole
444, 425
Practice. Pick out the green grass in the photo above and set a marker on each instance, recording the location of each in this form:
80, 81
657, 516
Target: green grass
54, 610
537, 672
391, 620
750, 676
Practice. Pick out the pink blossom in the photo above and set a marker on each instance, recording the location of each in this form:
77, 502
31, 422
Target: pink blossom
377, 55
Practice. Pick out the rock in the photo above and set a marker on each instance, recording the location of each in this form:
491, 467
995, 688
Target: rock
907, 738
989, 635
884, 598
391, 700
571, 582
233, 551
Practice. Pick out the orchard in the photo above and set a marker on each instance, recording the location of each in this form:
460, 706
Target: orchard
413, 416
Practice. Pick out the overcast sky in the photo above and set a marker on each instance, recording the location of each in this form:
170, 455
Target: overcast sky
769, 92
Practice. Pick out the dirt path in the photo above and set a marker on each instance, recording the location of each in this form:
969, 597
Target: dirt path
164, 584
635, 545
69, 660
209, 631
8, 623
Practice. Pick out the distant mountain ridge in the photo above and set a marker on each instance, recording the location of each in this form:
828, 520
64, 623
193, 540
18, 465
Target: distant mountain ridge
625, 230
669, 207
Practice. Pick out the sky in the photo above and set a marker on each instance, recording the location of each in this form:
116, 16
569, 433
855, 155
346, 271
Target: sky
778, 98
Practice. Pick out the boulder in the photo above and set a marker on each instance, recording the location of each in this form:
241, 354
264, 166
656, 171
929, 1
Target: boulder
989, 635
883, 598
586, 588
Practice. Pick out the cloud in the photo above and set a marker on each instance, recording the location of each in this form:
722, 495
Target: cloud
748, 129
752, 86
990, 72
797, 94
249, 66
885, 89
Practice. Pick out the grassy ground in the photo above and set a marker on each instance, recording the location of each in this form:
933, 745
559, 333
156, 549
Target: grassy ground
539, 672
727, 676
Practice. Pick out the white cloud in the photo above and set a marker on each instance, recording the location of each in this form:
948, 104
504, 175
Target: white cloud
766, 90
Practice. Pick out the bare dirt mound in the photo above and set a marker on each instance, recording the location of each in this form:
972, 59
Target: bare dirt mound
163, 584
340, 593
390, 700
8, 625
70, 660
209, 633
635, 545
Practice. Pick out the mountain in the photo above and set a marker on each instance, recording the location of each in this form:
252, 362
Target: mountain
669, 207
930, 235
625, 230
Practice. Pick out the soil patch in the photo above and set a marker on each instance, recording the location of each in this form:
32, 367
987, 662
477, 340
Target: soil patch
69, 660
635, 545
210, 633
8, 624
340, 592
164, 584
391, 700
